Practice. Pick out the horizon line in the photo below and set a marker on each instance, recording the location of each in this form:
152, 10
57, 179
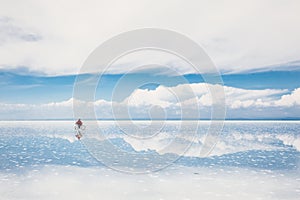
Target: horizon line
161, 119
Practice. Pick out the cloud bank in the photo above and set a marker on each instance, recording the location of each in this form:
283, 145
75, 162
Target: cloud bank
168, 102
238, 36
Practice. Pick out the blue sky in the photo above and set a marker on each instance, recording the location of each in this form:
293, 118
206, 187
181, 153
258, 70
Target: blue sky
55, 92
257, 54
37, 89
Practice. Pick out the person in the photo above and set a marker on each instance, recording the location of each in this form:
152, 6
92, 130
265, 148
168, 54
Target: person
79, 123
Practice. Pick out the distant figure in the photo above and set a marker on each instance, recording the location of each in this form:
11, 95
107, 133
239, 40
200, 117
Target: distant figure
79, 123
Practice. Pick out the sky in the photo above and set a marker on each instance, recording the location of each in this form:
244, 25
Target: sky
254, 45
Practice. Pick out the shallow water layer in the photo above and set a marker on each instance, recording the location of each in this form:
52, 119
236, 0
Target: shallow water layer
69, 182
251, 160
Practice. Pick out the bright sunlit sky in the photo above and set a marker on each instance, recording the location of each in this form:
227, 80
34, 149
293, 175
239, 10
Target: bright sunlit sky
254, 44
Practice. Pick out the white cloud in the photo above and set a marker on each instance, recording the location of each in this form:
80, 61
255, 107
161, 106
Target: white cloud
290, 100
238, 35
169, 102
241, 98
